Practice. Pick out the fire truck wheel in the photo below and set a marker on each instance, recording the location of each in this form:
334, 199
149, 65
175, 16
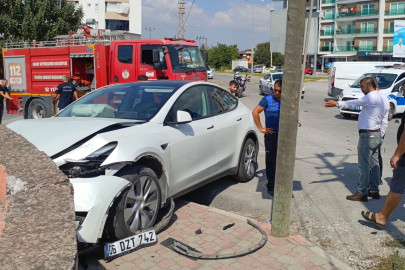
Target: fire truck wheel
38, 109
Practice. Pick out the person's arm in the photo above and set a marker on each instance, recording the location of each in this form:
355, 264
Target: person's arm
349, 103
256, 116
398, 152
384, 123
5, 95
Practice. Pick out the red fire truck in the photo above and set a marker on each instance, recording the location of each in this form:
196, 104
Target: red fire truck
35, 70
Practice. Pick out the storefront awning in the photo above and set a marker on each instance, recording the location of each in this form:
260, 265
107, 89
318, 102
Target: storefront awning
339, 55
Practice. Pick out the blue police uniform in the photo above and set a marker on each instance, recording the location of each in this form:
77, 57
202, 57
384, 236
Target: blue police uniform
272, 115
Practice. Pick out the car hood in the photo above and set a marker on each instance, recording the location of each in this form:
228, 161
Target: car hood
53, 135
352, 93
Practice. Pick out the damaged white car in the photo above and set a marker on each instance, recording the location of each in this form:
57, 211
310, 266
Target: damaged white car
128, 148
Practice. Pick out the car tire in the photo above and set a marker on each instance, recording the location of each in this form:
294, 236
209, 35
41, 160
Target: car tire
38, 109
247, 162
141, 178
346, 115
391, 112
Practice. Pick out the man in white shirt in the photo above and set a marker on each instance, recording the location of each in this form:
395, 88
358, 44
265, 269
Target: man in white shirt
399, 48
372, 124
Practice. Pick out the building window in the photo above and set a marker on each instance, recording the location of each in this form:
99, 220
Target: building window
368, 9
366, 45
390, 45
96, 8
117, 25
397, 8
125, 54
367, 27
329, 14
329, 30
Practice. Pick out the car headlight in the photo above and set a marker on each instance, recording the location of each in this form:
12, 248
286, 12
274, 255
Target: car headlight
90, 165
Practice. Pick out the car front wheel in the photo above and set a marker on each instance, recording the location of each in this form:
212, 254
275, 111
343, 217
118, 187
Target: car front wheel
248, 162
137, 207
391, 112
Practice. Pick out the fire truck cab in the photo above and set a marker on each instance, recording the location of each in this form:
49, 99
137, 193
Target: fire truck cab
34, 70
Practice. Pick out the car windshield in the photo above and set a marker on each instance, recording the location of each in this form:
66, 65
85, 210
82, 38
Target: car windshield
277, 77
384, 80
139, 101
185, 57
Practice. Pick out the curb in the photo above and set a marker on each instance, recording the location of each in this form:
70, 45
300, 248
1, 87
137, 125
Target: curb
334, 261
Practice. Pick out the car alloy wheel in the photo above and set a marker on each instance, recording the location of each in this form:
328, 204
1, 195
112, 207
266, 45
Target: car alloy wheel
141, 204
247, 161
250, 160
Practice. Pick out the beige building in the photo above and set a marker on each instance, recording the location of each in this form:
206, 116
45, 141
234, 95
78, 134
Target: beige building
360, 30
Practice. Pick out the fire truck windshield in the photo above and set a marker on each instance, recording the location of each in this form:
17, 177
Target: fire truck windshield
186, 58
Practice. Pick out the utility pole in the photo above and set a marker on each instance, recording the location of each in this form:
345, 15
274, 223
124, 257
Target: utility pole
182, 8
290, 99
150, 31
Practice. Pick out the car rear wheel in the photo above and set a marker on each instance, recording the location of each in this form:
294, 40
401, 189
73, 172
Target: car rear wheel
137, 207
346, 115
391, 112
248, 162
38, 109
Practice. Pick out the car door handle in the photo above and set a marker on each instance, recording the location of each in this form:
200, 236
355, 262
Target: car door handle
211, 127
239, 119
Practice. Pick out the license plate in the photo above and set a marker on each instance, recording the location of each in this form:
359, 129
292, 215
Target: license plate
130, 243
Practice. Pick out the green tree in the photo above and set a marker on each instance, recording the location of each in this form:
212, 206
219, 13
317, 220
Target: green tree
221, 56
262, 55
39, 20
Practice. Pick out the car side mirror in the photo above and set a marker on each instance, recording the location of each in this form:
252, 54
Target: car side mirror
183, 117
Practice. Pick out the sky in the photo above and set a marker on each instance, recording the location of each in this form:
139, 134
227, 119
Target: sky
221, 21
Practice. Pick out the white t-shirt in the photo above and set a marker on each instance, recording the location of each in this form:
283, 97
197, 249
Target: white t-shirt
374, 111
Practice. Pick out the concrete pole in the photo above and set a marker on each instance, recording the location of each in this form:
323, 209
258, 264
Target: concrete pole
306, 41
290, 99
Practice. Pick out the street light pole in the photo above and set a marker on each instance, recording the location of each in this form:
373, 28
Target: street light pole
150, 31
253, 16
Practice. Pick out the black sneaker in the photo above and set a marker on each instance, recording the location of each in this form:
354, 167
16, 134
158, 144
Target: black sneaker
373, 195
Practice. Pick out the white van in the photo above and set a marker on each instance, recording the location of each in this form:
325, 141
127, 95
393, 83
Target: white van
343, 74
390, 82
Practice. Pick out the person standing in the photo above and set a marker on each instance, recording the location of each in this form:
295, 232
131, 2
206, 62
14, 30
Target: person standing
3, 95
397, 187
66, 90
271, 106
372, 124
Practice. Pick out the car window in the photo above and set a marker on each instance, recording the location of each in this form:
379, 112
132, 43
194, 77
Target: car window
385, 80
147, 55
277, 77
400, 77
267, 76
195, 101
125, 54
222, 101
397, 86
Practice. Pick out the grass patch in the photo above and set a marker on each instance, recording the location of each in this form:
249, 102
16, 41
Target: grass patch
393, 262
394, 243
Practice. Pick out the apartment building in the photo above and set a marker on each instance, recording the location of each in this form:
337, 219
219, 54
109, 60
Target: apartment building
361, 30
119, 15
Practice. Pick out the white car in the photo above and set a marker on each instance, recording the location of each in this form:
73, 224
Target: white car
266, 84
389, 80
128, 148
209, 74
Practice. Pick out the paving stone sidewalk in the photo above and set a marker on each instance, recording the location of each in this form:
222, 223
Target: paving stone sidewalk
292, 253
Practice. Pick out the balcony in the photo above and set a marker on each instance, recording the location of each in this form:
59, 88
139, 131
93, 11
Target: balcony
345, 14
327, 33
326, 49
328, 1
388, 30
388, 48
395, 12
329, 17
355, 48
367, 12
356, 31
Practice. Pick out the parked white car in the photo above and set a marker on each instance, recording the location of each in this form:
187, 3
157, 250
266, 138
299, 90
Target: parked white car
128, 148
266, 84
209, 73
390, 81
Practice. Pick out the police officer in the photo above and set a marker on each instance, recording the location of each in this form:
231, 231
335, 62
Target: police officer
271, 106
66, 91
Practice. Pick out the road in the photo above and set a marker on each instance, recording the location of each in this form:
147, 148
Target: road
325, 173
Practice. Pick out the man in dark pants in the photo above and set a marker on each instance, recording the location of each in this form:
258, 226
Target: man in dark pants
271, 106
3, 95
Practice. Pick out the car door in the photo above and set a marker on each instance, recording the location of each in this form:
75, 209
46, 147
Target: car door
397, 95
231, 123
192, 146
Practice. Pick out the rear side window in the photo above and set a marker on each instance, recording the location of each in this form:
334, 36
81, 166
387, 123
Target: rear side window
222, 101
125, 54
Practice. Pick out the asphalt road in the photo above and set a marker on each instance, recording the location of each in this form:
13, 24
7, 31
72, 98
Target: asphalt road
325, 173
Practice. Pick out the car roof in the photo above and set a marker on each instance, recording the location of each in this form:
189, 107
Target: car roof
176, 84
387, 70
